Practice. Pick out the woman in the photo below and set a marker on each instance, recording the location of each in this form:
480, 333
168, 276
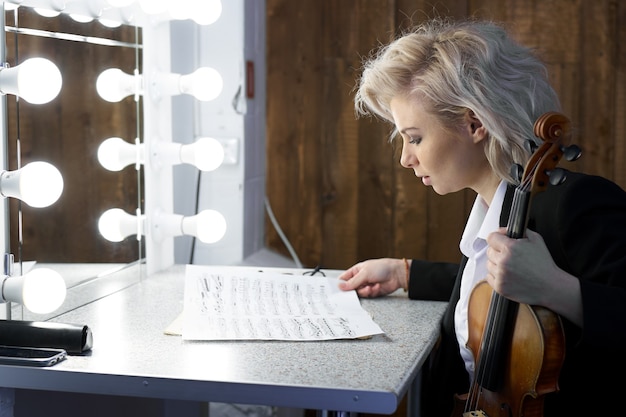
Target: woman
463, 97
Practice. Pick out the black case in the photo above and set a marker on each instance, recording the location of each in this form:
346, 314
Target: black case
74, 338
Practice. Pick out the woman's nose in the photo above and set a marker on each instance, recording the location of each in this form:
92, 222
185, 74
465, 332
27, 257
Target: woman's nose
406, 159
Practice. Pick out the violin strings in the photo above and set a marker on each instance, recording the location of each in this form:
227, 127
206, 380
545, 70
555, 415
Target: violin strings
486, 352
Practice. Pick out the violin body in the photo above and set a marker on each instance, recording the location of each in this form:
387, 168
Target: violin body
534, 360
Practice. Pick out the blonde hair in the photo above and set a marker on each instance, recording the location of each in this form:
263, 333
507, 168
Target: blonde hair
461, 66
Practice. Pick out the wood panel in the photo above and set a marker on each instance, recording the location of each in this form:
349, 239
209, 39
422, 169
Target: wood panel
335, 183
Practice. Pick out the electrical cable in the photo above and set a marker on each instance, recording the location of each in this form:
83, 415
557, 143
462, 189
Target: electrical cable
270, 213
193, 241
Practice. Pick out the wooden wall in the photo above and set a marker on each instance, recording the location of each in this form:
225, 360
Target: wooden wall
335, 183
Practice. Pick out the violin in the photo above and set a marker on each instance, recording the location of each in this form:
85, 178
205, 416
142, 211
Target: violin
518, 348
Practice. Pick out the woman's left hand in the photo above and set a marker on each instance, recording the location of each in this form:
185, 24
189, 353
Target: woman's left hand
523, 270
520, 269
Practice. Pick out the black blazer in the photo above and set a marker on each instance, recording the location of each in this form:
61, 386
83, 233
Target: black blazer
583, 222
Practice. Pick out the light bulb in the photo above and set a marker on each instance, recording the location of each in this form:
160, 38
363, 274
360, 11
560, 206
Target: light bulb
36, 80
153, 6
203, 12
81, 18
205, 84
41, 290
120, 3
115, 154
209, 226
207, 12
182, 9
115, 225
207, 154
114, 85
47, 12
110, 23
38, 184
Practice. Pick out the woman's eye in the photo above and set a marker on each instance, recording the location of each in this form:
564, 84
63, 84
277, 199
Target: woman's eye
415, 141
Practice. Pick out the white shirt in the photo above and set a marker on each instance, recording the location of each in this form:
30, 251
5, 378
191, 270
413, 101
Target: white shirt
483, 219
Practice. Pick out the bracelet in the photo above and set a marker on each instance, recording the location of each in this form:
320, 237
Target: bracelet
406, 275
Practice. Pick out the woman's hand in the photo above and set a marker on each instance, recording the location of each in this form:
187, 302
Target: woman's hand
523, 270
375, 277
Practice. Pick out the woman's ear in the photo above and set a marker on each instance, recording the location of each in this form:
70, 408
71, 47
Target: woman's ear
475, 126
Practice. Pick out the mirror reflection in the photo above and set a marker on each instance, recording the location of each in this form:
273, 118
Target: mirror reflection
67, 132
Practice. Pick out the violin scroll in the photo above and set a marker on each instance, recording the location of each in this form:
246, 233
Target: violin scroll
555, 130
553, 127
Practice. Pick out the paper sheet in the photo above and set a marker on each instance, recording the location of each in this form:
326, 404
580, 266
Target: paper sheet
231, 303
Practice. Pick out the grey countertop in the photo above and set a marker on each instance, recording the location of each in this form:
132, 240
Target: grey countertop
132, 356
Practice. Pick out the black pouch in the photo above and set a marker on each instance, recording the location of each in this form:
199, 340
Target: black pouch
74, 338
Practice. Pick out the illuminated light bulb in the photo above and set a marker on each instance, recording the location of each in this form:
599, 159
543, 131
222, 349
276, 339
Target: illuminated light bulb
81, 18
203, 12
120, 3
38, 184
110, 23
182, 9
207, 12
206, 154
114, 85
47, 12
115, 225
115, 154
153, 6
41, 290
205, 84
36, 80
209, 226
55, 7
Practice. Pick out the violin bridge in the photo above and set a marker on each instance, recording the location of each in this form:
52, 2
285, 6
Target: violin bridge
478, 413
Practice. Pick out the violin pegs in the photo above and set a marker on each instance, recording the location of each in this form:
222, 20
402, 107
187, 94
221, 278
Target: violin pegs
517, 171
530, 146
557, 176
572, 152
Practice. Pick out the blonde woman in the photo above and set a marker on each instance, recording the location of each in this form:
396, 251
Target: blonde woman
463, 98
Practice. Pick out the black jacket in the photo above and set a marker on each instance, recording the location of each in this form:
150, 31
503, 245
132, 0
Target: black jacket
583, 222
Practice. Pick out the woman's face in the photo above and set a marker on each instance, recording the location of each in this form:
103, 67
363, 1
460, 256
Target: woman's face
448, 158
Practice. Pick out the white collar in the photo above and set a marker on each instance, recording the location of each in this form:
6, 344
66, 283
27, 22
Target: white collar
483, 219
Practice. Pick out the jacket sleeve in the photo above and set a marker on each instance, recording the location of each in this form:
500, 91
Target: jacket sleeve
432, 280
583, 222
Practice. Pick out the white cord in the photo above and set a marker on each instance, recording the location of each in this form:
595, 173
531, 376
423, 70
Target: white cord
270, 213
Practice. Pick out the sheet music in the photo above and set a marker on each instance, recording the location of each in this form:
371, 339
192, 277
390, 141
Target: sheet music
241, 303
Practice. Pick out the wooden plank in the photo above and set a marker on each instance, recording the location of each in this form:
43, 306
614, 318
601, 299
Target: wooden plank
598, 88
619, 115
293, 131
375, 180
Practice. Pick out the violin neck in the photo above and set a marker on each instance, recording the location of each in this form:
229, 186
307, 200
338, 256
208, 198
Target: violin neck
518, 218
502, 311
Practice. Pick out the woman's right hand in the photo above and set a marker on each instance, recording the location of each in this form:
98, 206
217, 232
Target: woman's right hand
375, 277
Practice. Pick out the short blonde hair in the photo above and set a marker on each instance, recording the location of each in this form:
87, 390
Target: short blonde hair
461, 66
